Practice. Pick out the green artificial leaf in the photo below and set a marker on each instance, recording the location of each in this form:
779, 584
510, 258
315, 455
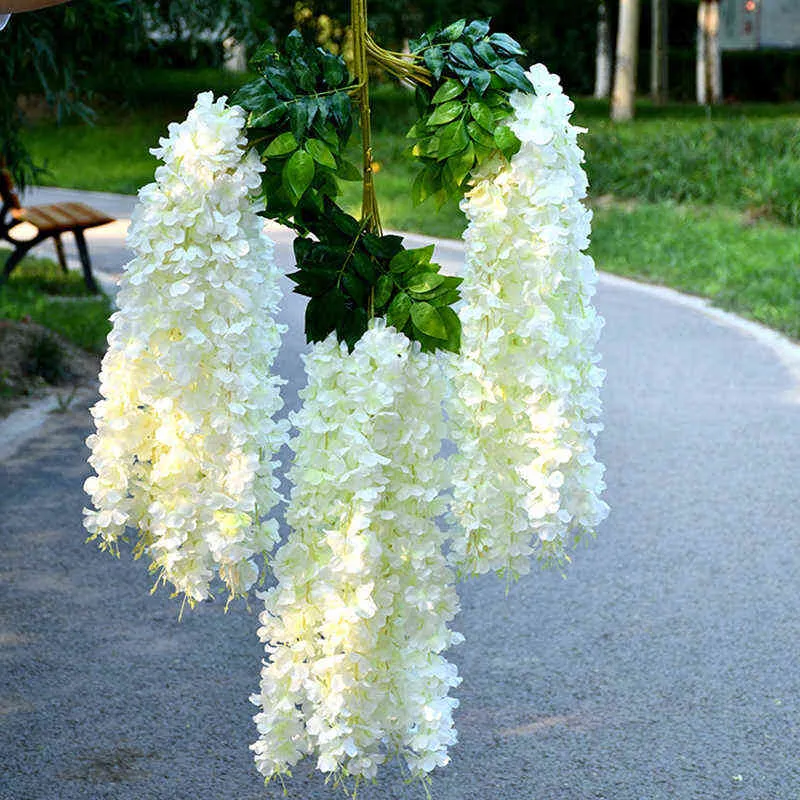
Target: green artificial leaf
482, 114
342, 109
383, 247
406, 259
495, 99
281, 145
425, 184
298, 172
304, 75
434, 61
461, 164
353, 326
333, 70
417, 130
279, 81
513, 74
255, 96
445, 113
348, 171
428, 147
343, 222
481, 79
480, 136
449, 90
453, 139
383, 291
263, 54
356, 288
313, 282
463, 55
426, 319
298, 118
505, 138
448, 286
294, 44
266, 119
320, 153
302, 249
399, 309
324, 314
421, 100
446, 298
452, 326
454, 30
425, 282
477, 29
486, 53
505, 44
365, 267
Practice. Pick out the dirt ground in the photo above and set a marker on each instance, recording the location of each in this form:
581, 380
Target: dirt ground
35, 362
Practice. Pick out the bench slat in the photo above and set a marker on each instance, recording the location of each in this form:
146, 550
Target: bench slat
62, 217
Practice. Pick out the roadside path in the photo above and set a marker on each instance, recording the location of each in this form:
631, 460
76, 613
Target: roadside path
665, 665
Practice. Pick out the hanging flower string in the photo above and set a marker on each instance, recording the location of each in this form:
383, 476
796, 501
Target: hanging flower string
185, 436
525, 414
358, 621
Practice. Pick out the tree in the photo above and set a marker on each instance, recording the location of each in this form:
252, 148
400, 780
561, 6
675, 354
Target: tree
658, 50
602, 74
622, 101
709, 61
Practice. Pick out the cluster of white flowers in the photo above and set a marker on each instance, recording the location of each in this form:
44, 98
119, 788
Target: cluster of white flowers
185, 438
355, 627
526, 410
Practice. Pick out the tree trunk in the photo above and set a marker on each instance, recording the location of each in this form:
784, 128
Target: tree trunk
659, 48
602, 75
709, 61
622, 101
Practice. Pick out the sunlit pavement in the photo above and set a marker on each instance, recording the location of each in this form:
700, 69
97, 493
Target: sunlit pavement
664, 664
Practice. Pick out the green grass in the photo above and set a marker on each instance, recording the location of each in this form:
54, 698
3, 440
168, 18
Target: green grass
719, 163
113, 154
750, 268
38, 290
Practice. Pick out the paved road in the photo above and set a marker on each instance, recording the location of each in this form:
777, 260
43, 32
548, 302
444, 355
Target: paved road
665, 665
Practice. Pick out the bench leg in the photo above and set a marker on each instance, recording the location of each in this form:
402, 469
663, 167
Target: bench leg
62, 259
83, 252
16, 256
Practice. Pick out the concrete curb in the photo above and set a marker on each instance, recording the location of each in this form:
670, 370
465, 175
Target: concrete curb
22, 425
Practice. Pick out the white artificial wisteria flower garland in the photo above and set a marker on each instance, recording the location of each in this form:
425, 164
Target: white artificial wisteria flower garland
526, 409
355, 627
185, 438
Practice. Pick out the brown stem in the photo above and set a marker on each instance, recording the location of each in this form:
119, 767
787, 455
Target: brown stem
369, 203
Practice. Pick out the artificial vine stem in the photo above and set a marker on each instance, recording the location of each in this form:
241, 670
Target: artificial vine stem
358, 22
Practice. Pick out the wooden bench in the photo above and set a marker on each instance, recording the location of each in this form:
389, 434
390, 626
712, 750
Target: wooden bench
50, 222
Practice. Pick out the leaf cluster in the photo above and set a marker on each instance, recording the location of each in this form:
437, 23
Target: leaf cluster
300, 117
351, 274
462, 114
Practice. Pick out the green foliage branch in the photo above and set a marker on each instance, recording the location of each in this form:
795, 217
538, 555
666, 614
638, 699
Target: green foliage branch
301, 114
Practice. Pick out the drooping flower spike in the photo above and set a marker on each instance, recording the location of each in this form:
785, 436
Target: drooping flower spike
185, 435
525, 414
357, 623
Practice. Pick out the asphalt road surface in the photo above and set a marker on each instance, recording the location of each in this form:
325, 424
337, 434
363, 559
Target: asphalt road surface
664, 664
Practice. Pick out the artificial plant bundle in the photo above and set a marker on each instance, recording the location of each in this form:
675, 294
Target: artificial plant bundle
527, 406
185, 435
357, 623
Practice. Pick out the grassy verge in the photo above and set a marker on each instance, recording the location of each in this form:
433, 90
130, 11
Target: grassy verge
39, 291
736, 159
750, 268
